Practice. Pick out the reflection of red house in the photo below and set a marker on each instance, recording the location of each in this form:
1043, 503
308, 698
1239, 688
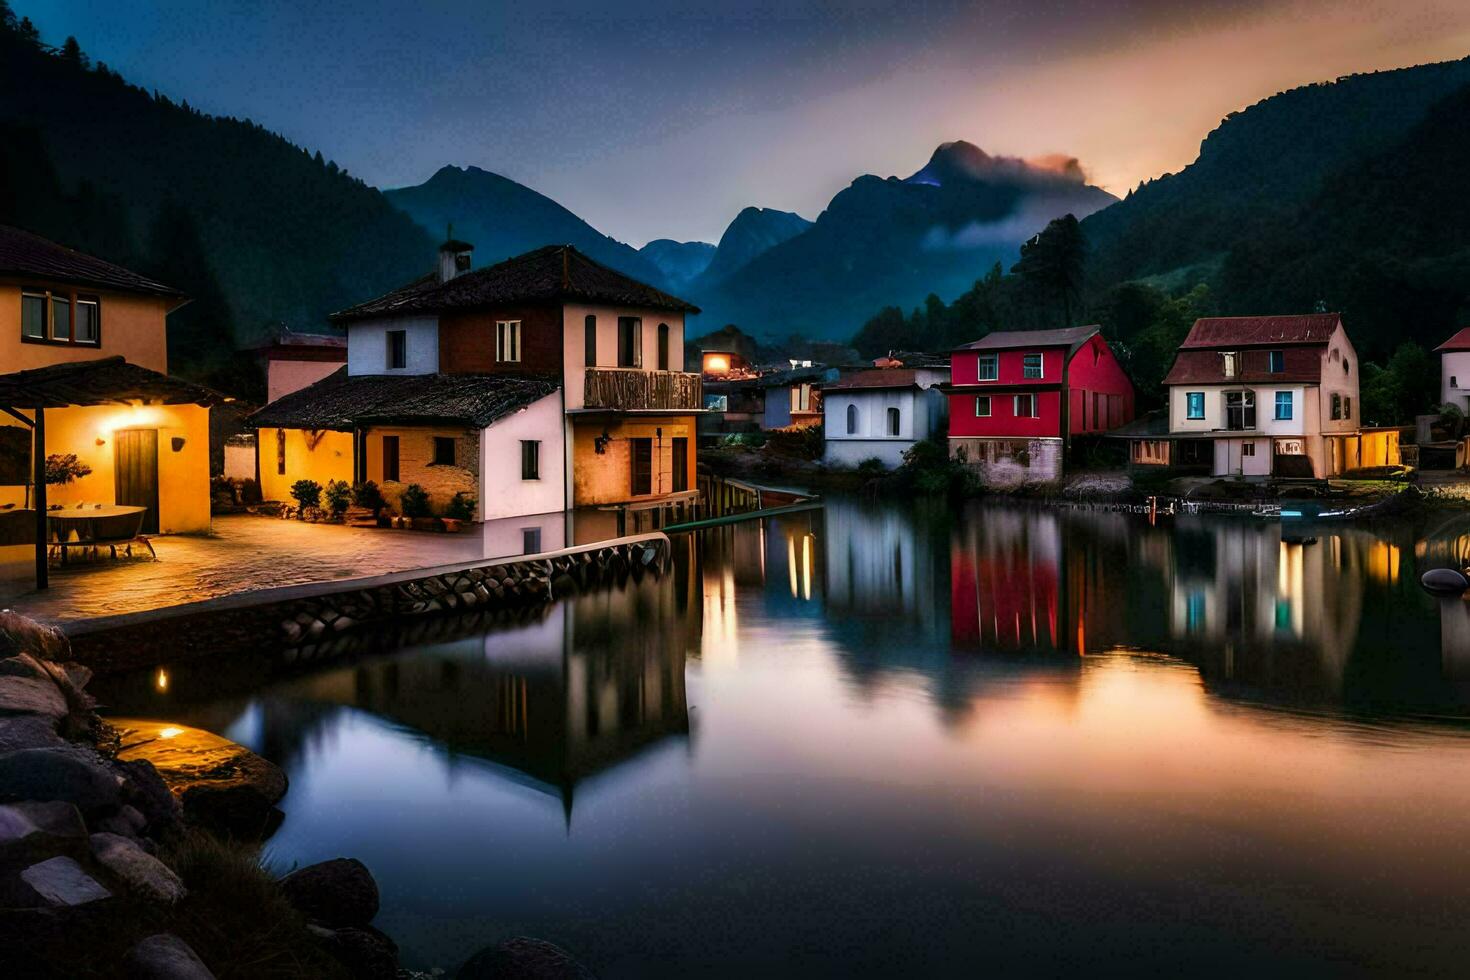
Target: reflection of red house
1017, 396
1003, 601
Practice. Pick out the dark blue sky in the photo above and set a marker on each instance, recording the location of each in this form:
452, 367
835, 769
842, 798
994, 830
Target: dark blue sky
662, 119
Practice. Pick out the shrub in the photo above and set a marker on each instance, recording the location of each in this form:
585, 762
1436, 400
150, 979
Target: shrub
367, 495
249, 492
339, 497
872, 466
753, 440
307, 493
415, 501
461, 506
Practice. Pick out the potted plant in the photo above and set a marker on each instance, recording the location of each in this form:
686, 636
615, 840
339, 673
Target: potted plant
367, 496
415, 506
307, 494
461, 508
338, 496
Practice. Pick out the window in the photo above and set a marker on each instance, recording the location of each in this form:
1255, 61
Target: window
987, 367
530, 459
642, 451
681, 464
893, 421
1240, 410
1275, 361
852, 420
1228, 366
1247, 449
663, 346
1336, 405
982, 406
530, 540
1346, 367
1283, 406
60, 317
397, 349
443, 451
89, 320
589, 340
390, 459
1194, 405
801, 398
1347, 406
630, 341
508, 341
1031, 366
280, 452
33, 315
1025, 407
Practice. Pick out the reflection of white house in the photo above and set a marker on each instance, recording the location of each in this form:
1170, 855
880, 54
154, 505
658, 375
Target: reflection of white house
880, 414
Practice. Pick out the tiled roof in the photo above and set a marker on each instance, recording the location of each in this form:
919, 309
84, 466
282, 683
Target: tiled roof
555, 273
1256, 331
1069, 337
25, 254
105, 381
1301, 365
888, 378
341, 401
1460, 341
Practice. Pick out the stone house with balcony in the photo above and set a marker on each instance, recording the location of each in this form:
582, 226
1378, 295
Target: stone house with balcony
578, 358
1260, 396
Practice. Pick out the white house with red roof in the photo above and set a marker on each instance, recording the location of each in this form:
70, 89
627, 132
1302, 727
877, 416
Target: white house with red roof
1454, 367
1261, 396
880, 414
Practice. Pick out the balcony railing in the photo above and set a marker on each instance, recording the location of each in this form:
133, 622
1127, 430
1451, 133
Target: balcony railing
626, 389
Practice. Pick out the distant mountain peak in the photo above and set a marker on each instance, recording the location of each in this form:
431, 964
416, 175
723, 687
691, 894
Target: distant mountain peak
960, 160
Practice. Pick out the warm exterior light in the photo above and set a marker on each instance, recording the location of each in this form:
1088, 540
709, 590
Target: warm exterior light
170, 732
717, 363
160, 679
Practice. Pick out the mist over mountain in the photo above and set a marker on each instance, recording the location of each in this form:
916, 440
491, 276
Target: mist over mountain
502, 218
680, 263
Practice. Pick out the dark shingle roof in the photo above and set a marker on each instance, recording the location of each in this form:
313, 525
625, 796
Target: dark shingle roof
1301, 364
25, 254
341, 401
1253, 331
555, 273
105, 381
1069, 337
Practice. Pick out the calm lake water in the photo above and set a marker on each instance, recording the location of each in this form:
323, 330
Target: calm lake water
882, 741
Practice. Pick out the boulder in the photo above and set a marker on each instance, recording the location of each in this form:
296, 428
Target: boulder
52, 819
28, 732
523, 958
367, 953
21, 634
31, 696
148, 795
164, 957
67, 773
220, 785
127, 821
143, 873
340, 892
61, 882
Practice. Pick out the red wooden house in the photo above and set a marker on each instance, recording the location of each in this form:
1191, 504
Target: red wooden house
1018, 396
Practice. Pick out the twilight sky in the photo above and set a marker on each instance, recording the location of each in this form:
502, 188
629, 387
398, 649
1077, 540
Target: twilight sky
662, 118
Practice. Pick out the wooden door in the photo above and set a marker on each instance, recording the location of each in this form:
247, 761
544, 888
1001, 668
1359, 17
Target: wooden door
681, 463
135, 472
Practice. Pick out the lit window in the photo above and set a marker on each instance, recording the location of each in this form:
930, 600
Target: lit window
508, 341
1031, 366
1283, 406
1194, 405
982, 407
987, 367
1229, 365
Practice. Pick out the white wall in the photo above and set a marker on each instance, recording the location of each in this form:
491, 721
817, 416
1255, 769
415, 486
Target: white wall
1230, 459
574, 348
850, 452
1303, 408
502, 491
920, 415
505, 537
367, 345
1453, 364
1342, 382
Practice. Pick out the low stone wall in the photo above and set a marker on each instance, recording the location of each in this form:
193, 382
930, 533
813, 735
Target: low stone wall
1006, 464
312, 619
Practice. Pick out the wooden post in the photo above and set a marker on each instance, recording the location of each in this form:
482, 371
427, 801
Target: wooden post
38, 476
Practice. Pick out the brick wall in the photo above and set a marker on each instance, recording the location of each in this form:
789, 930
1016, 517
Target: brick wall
415, 464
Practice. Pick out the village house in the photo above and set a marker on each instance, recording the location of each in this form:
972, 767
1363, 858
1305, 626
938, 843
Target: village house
1261, 396
1017, 397
535, 385
1454, 366
880, 413
290, 361
87, 343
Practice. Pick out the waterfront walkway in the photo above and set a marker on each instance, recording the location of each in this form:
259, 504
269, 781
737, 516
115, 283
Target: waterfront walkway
244, 552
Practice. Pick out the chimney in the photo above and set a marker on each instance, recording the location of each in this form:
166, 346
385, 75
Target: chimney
454, 258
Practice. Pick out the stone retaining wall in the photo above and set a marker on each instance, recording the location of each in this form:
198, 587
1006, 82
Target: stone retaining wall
314, 619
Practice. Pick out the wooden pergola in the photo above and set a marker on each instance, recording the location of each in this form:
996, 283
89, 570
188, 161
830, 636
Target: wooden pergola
106, 381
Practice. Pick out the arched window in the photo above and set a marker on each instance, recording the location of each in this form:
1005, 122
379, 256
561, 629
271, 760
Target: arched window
589, 339
893, 421
852, 420
663, 346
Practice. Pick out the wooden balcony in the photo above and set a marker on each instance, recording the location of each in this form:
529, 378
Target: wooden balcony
632, 389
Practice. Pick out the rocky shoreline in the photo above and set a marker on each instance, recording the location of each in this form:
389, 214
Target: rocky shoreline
131, 849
